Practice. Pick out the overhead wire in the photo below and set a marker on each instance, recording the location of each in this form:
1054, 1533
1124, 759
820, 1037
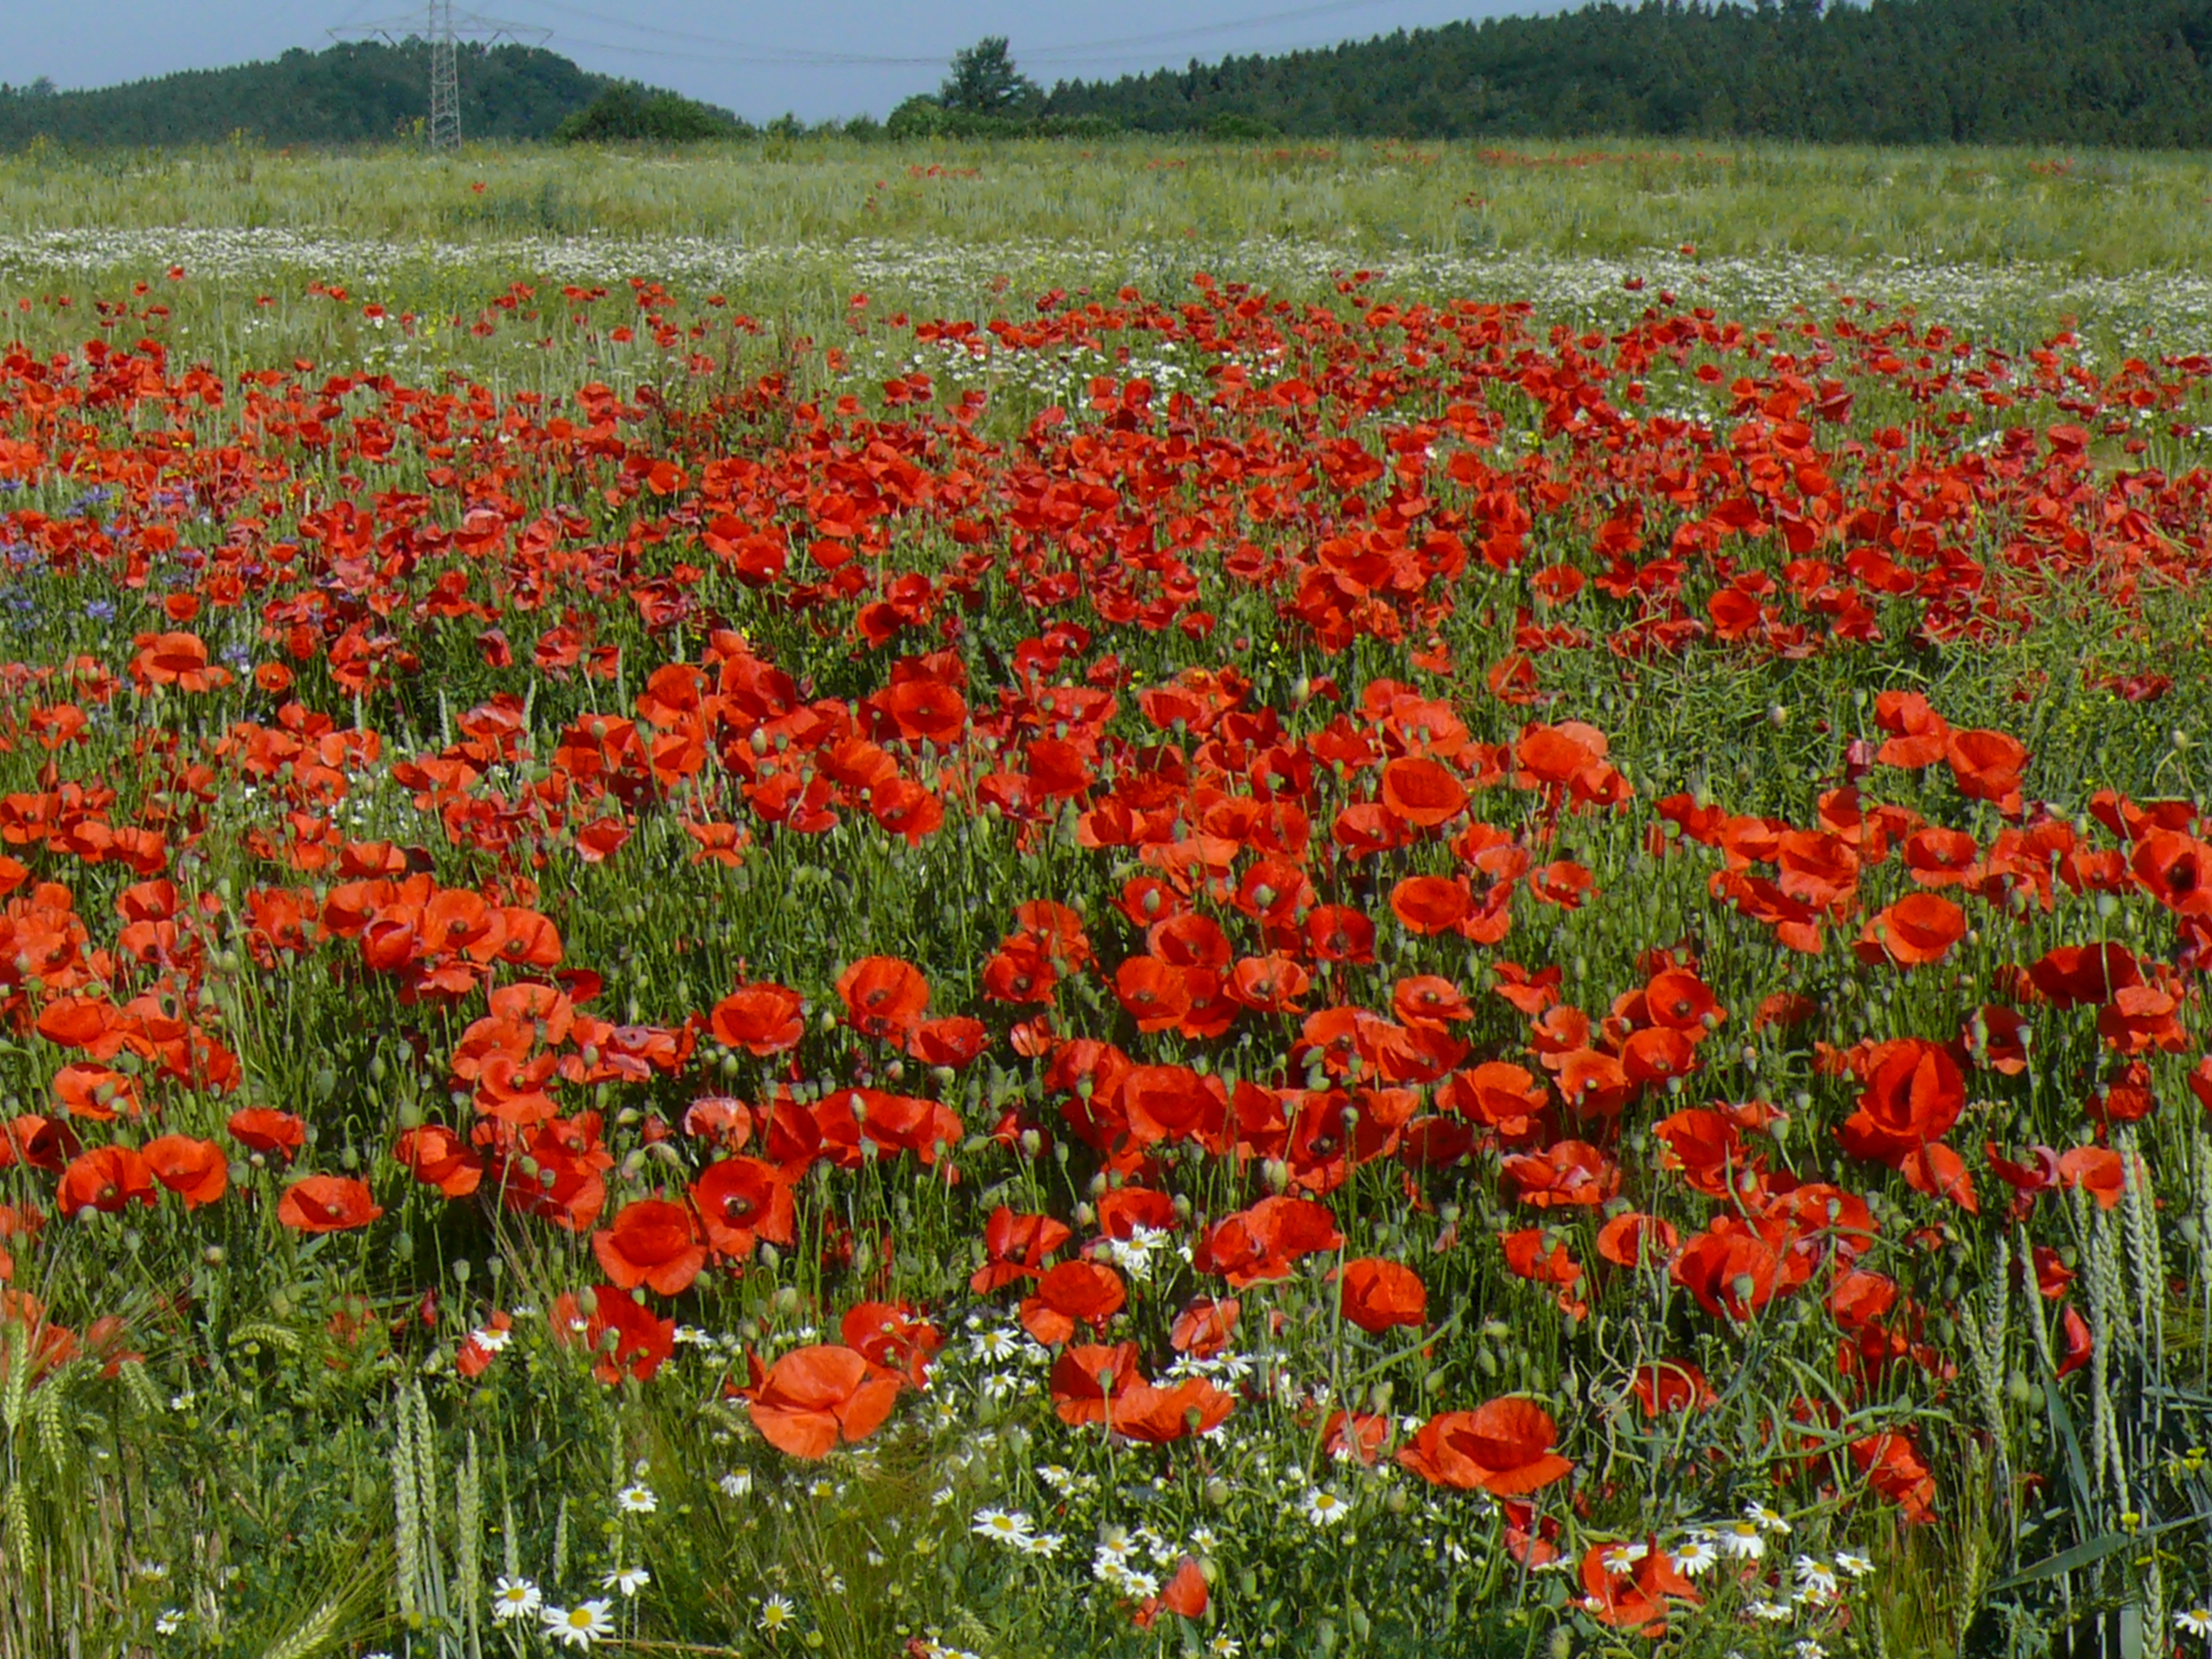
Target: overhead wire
1069, 54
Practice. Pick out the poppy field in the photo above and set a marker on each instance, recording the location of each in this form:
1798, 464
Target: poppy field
1177, 967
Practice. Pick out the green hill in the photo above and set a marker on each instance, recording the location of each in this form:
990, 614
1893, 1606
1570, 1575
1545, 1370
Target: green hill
2120, 72
358, 93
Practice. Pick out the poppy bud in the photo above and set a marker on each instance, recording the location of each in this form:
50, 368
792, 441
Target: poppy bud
461, 1271
1032, 1143
771, 1257
1278, 1175
1216, 1492
587, 1301
215, 1255
787, 1300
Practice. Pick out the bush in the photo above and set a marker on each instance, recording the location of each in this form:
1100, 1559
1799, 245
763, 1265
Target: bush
623, 115
924, 117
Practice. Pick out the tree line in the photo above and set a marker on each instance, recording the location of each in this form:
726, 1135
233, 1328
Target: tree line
2119, 72
358, 92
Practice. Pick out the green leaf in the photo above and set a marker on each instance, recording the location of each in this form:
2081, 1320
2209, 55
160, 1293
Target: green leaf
2080, 1555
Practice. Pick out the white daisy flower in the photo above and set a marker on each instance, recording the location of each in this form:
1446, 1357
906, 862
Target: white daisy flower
1855, 1566
638, 1499
628, 1580
1009, 1527
1763, 1518
738, 1483
1695, 1555
1814, 1578
580, 1626
171, 1621
1740, 1539
1772, 1612
1223, 1647
1623, 1557
1325, 1509
1044, 1544
2195, 1621
776, 1613
513, 1598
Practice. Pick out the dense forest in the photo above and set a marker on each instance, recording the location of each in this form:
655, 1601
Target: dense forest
2123, 72
351, 94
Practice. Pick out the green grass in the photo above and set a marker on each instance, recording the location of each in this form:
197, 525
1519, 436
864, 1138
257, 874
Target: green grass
2100, 213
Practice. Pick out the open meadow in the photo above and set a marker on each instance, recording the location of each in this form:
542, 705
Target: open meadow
1036, 901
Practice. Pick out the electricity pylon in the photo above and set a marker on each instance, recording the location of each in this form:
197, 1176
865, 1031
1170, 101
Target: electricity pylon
444, 29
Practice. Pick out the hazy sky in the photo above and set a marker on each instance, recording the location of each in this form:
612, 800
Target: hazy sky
818, 58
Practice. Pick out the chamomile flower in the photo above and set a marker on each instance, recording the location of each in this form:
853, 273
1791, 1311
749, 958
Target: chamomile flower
1044, 1545
637, 1499
1009, 1527
513, 1598
627, 1580
1695, 1555
171, 1621
1325, 1509
738, 1483
1851, 1565
580, 1626
1623, 1557
776, 1613
1814, 1578
2194, 1621
995, 1346
1223, 1647
1740, 1539
1763, 1518
1773, 1612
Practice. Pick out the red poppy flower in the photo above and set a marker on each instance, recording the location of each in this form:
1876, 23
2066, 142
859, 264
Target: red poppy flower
884, 996
1377, 1294
762, 1019
1429, 904
1918, 929
622, 1337
813, 1397
265, 1129
1421, 792
1987, 765
1729, 1271
326, 1204
1107, 1385
1633, 1239
440, 1158
1087, 1292
195, 1171
106, 1178
1504, 1448
1206, 1327
1156, 994
653, 1243
741, 1201
891, 1335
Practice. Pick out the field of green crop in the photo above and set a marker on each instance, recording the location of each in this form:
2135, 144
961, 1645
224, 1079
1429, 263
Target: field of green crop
1019, 900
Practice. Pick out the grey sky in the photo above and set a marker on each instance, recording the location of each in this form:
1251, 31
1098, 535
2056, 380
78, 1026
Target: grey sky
817, 58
